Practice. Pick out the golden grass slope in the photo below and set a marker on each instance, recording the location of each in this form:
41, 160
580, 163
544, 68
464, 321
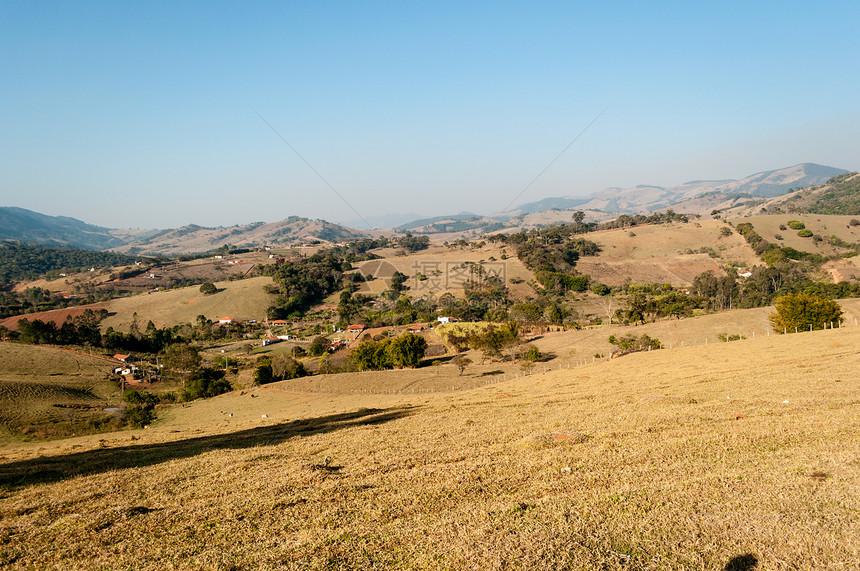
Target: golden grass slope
448, 262
47, 391
241, 299
688, 458
657, 253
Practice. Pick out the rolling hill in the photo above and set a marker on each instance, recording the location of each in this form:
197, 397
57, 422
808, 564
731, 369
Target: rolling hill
645, 198
26, 226
693, 457
195, 238
694, 197
50, 392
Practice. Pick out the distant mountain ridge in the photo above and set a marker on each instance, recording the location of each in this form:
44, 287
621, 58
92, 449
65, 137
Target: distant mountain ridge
27, 226
648, 198
694, 197
22, 225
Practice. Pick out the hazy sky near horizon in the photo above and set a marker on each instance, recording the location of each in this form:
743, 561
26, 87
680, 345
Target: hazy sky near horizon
145, 114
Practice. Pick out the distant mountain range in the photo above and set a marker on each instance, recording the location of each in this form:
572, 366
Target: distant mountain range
28, 226
31, 227
646, 198
694, 197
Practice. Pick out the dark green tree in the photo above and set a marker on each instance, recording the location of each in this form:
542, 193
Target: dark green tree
406, 350
802, 310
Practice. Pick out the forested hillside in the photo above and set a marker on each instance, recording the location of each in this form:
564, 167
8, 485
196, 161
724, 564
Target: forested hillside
842, 196
24, 262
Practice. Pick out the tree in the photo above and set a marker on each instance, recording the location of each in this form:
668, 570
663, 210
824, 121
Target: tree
461, 362
181, 358
318, 346
397, 281
208, 288
407, 350
370, 355
802, 310
205, 383
284, 367
263, 373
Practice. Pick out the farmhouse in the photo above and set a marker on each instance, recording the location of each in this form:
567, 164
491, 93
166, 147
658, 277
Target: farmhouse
225, 321
416, 328
124, 358
125, 370
353, 331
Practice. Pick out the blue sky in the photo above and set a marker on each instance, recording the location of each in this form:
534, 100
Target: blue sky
145, 114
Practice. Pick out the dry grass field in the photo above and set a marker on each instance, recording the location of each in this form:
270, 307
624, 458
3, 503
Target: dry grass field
242, 299
49, 392
447, 262
656, 253
700, 457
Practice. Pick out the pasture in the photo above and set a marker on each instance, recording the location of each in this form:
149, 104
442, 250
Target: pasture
241, 300
691, 458
47, 392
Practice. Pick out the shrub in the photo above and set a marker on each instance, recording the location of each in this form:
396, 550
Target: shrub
208, 288
632, 344
796, 225
802, 311
805, 233
318, 346
725, 231
854, 222
783, 227
139, 416
140, 398
600, 289
531, 353
461, 362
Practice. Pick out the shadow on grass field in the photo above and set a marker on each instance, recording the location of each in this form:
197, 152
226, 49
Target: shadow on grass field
57, 468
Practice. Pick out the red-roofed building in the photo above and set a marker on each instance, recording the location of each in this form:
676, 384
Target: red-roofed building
353, 331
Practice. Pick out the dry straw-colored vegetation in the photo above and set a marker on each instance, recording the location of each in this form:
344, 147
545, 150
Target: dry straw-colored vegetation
47, 392
242, 299
687, 458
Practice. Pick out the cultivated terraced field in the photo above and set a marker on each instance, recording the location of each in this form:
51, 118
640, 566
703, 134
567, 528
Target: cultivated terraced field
700, 457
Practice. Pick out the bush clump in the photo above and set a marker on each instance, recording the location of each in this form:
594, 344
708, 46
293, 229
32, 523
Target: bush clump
632, 344
805, 233
204, 383
796, 225
804, 311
